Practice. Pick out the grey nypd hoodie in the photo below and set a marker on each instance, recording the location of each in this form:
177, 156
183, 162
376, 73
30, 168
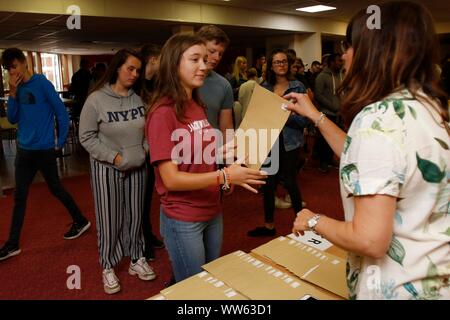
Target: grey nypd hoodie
112, 124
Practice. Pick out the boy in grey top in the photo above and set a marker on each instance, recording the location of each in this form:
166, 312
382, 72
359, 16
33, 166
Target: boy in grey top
216, 91
327, 85
327, 97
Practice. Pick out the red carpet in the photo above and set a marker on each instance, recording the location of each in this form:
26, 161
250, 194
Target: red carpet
40, 271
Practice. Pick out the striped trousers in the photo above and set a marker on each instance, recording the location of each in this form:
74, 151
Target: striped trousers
119, 205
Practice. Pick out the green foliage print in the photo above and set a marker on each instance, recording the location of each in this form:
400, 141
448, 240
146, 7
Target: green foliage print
447, 232
347, 142
413, 112
399, 108
430, 171
349, 175
442, 143
396, 251
432, 284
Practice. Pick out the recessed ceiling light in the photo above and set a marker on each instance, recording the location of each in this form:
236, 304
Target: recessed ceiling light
318, 8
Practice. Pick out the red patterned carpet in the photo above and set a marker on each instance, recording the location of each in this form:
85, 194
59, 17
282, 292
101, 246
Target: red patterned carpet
40, 271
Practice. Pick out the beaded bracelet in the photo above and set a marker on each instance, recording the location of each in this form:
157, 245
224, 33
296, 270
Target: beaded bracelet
226, 180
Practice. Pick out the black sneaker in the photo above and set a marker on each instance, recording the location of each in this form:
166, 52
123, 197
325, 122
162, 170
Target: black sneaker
262, 232
76, 230
156, 243
324, 168
8, 251
149, 252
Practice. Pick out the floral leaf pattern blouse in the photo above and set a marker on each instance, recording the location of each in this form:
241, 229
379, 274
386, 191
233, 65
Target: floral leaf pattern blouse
396, 147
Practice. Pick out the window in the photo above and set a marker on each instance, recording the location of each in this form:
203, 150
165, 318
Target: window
5, 78
51, 68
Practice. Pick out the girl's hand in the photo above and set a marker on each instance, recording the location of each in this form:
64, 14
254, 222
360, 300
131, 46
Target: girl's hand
245, 177
117, 159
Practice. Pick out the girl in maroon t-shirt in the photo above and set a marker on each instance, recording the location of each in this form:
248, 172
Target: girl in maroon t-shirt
187, 178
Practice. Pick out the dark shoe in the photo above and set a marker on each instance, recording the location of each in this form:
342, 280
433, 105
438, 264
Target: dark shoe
149, 252
156, 243
334, 164
262, 232
8, 251
324, 168
76, 230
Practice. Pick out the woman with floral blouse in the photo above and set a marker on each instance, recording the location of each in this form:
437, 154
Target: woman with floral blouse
395, 159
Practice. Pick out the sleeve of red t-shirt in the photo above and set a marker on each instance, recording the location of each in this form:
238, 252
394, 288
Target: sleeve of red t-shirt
161, 124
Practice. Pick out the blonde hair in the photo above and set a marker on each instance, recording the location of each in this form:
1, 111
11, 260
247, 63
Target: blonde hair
237, 68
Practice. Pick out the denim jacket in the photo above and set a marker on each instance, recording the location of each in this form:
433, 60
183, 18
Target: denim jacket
293, 130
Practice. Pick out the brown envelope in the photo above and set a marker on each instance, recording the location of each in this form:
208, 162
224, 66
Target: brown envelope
260, 127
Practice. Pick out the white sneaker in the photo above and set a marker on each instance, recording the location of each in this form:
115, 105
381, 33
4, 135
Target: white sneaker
287, 198
281, 204
110, 281
142, 270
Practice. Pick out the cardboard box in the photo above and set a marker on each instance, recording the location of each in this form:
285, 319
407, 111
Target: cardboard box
315, 266
261, 281
157, 297
202, 286
317, 242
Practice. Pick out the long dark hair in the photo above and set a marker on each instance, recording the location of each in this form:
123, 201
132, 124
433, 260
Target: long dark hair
168, 82
271, 77
403, 53
117, 61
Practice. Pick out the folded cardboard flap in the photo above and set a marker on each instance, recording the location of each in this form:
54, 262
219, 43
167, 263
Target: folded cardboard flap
260, 281
263, 118
202, 286
310, 264
158, 297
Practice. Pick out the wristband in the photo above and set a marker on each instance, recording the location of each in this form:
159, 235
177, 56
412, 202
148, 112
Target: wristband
319, 120
226, 179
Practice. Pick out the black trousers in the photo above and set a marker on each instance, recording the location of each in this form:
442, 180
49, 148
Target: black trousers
27, 163
324, 150
288, 171
146, 220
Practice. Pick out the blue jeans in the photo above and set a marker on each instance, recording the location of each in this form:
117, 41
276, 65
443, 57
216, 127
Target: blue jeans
191, 244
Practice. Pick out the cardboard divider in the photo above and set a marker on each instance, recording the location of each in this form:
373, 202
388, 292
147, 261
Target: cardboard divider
318, 267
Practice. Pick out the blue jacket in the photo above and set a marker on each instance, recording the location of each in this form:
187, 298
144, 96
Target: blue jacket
34, 110
293, 130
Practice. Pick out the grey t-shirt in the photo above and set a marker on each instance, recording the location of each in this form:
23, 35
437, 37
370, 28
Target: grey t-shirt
217, 94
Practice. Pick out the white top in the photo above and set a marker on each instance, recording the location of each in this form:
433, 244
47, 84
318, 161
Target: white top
396, 147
